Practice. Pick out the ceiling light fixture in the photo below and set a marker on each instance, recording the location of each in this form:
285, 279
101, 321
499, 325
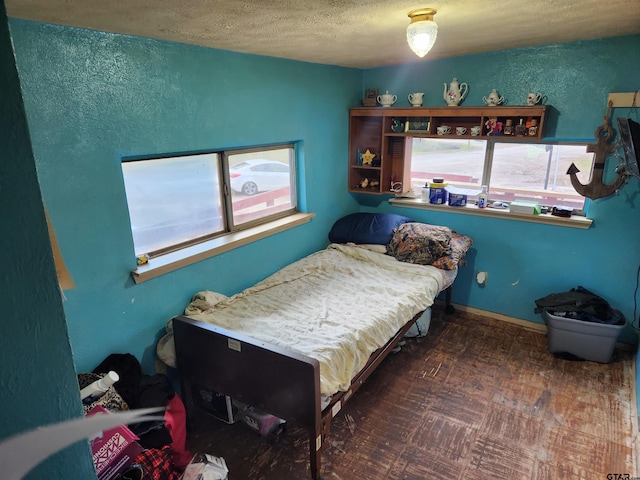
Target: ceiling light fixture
422, 31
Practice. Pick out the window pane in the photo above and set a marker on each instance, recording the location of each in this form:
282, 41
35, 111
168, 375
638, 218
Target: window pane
534, 171
173, 200
459, 162
262, 183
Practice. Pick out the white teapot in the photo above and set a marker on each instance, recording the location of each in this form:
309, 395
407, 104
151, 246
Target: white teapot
455, 92
493, 99
387, 99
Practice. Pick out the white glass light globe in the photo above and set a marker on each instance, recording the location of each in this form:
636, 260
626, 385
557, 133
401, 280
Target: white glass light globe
421, 36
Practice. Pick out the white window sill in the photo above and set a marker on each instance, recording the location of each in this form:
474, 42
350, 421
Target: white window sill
573, 222
187, 256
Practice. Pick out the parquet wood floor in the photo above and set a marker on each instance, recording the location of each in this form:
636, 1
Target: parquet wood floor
476, 398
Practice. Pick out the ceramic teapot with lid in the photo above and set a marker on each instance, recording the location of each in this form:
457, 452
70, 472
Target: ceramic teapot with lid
493, 99
455, 92
387, 99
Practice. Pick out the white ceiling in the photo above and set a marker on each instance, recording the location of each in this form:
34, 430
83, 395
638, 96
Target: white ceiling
357, 33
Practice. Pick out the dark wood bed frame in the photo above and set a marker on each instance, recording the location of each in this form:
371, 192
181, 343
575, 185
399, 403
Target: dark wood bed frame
271, 378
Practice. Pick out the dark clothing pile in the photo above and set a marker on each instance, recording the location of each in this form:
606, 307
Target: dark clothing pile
141, 391
164, 441
580, 304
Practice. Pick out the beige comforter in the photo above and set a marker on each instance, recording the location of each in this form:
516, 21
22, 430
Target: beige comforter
337, 305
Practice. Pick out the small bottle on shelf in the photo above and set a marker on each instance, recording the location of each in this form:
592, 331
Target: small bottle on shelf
508, 127
533, 128
521, 130
483, 198
95, 390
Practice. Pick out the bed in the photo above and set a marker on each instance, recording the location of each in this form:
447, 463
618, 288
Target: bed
301, 342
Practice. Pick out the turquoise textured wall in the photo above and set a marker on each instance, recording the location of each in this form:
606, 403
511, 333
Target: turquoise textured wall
38, 380
92, 98
526, 261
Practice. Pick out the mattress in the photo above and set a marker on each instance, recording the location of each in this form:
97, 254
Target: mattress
337, 305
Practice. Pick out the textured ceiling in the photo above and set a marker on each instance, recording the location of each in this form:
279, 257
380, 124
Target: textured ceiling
359, 33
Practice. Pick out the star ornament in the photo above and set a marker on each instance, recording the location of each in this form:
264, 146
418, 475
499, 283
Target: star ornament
367, 157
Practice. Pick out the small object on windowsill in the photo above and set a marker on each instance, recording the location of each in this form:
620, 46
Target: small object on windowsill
561, 211
457, 196
425, 192
437, 191
142, 259
518, 206
396, 187
408, 194
483, 198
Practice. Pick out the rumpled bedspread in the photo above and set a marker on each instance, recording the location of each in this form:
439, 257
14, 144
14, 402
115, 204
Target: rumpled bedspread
337, 305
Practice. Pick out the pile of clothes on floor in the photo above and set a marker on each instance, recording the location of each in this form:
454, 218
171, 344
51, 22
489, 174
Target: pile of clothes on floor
152, 450
580, 304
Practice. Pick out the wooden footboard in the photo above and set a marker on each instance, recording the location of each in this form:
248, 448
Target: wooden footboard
271, 378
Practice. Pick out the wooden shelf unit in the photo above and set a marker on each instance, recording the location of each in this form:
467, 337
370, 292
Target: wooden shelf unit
370, 128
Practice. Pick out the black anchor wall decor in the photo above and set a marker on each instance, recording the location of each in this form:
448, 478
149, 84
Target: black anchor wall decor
596, 188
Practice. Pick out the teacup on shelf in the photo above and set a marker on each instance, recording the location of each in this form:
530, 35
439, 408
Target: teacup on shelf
475, 131
461, 130
533, 98
443, 130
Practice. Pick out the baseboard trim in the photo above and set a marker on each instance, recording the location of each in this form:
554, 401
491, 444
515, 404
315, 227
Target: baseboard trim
536, 327
527, 324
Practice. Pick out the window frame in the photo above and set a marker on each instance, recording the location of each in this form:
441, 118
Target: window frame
488, 160
226, 173
579, 219
167, 259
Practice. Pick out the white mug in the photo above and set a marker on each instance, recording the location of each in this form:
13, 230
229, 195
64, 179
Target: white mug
443, 129
475, 131
415, 99
533, 98
461, 130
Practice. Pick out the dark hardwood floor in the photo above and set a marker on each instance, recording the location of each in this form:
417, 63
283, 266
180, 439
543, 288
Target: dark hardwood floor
476, 398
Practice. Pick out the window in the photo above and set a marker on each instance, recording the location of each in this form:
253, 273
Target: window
460, 162
512, 170
262, 184
182, 200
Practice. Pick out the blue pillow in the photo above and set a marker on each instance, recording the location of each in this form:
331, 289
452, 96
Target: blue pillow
375, 228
